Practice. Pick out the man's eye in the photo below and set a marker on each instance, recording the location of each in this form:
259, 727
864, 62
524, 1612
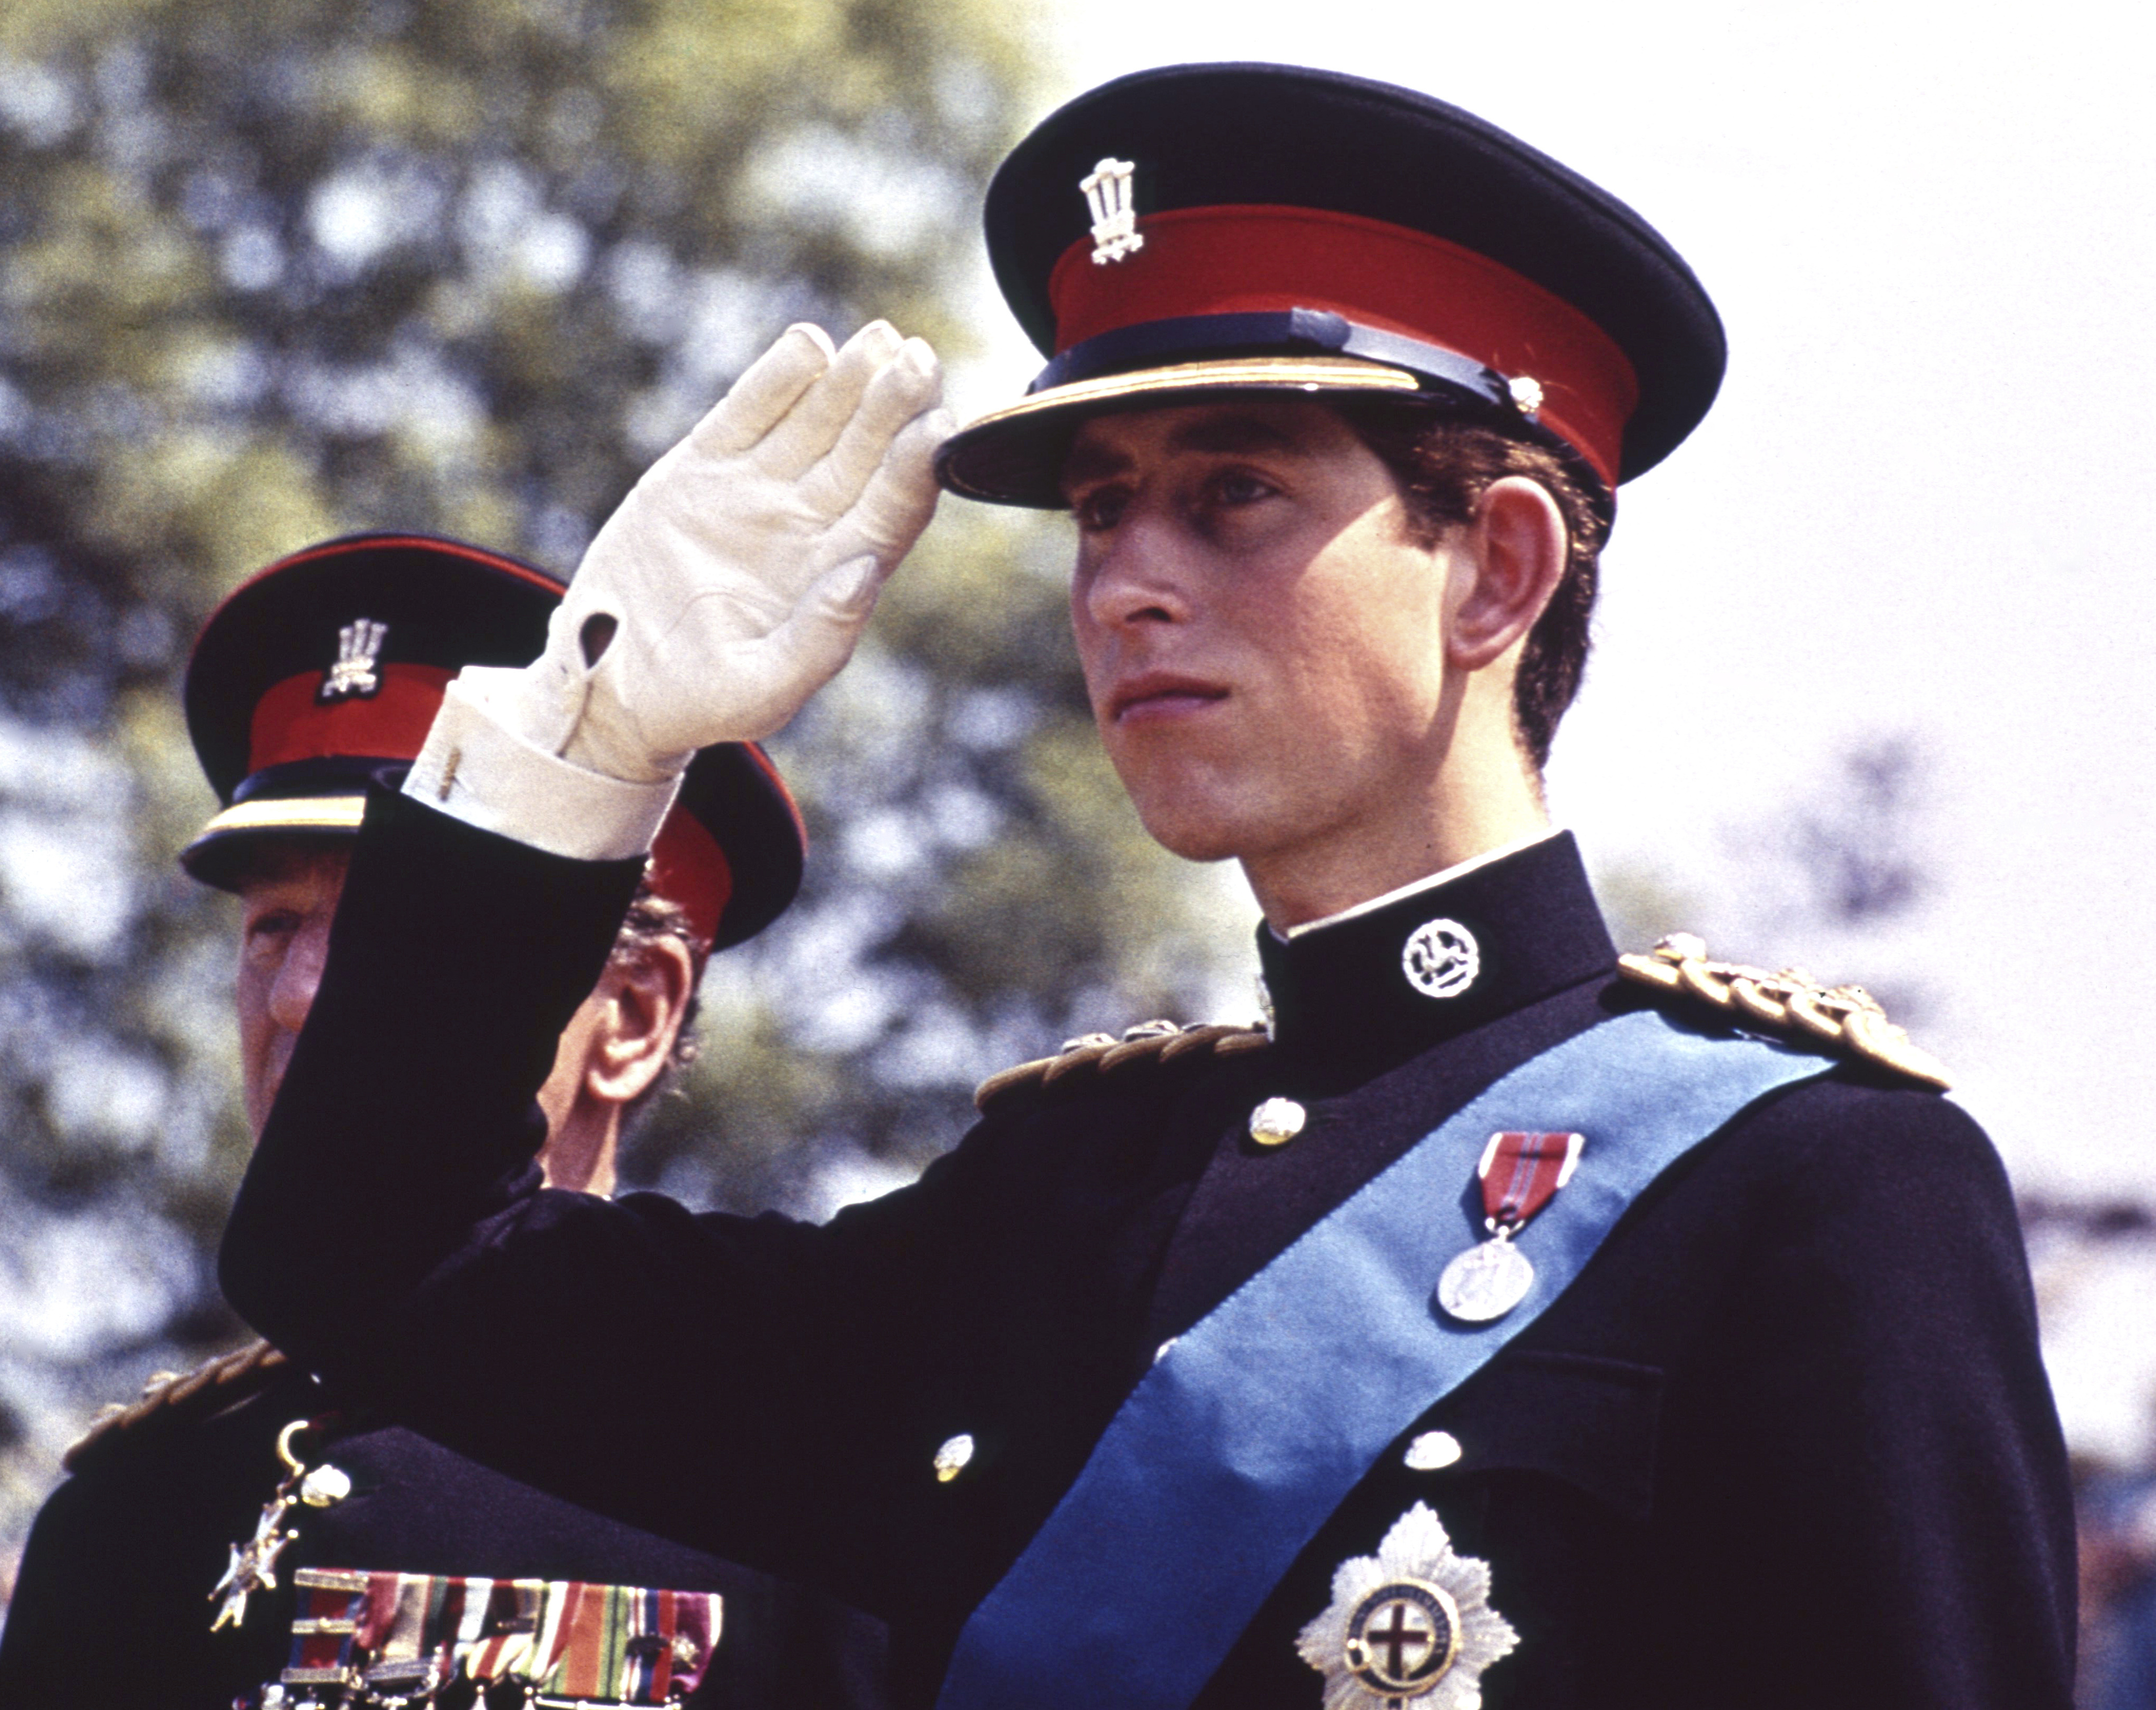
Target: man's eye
1101, 509
272, 923
1239, 487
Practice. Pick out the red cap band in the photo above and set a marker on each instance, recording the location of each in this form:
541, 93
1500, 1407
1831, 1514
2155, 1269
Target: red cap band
688, 867
1239, 260
292, 722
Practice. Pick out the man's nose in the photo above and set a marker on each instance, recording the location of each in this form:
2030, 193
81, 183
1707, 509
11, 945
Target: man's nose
1143, 572
300, 975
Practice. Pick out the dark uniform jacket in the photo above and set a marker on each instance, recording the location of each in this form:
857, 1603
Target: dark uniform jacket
113, 1605
1786, 1442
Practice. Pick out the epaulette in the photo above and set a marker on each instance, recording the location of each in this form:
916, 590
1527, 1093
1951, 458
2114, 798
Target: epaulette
1847, 1017
1091, 1056
177, 1397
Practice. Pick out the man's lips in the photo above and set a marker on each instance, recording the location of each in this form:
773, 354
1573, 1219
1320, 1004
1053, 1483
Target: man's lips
1162, 694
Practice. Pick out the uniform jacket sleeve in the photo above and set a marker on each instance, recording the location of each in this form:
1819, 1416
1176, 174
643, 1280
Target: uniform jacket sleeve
1874, 1436
742, 1384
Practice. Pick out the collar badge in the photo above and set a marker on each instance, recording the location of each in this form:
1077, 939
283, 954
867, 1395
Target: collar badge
1107, 190
359, 647
1409, 1628
1441, 959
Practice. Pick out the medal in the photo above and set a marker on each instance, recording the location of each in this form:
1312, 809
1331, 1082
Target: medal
1486, 1282
1410, 1628
253, 1566
1519, 1173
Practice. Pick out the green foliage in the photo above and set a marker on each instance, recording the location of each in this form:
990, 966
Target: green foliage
275, 269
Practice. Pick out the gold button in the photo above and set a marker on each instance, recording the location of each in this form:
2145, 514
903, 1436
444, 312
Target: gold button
1432, 1450
952, 1458
1277, 1121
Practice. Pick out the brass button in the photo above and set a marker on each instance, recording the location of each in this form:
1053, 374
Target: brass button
1277, 1121
952, 1458
1432, 1451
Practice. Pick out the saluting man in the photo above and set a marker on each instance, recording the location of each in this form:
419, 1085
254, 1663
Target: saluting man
199, 1524
1506, 1322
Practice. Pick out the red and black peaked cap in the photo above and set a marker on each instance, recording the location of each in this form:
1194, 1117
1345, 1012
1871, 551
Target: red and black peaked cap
1291, 229
326, 668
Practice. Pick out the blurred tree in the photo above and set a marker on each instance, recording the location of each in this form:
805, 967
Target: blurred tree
1830, 879
270, 269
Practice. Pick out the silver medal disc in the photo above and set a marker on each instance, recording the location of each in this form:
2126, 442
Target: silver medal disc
1485, 1282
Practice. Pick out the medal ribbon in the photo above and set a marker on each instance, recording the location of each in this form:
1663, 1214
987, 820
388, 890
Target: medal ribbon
1521, 1171
615, 1645
1240, 1441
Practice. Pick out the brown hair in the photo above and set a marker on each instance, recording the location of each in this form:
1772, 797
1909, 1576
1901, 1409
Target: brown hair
1444, 466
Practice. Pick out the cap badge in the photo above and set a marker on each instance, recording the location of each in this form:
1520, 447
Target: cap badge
1410, 1625
1107, 189
359, 646
1441, 959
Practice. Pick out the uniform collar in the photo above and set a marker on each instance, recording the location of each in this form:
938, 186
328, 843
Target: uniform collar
1367, 990
1459, 869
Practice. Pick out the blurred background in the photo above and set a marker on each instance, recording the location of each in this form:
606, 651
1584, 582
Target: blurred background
1869, 697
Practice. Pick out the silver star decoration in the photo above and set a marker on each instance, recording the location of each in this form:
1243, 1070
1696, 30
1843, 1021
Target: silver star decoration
253, 1565
1416, 1563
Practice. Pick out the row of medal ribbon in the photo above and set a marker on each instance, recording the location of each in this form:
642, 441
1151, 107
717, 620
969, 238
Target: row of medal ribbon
382, 1637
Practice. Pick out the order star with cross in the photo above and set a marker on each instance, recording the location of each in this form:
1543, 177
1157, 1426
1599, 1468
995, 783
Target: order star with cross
1396, 1638
1411, 1625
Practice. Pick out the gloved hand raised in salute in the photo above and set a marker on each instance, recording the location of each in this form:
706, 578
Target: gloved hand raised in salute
731, 584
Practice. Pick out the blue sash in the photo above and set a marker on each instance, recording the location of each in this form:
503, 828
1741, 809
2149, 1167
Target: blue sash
1233, 1450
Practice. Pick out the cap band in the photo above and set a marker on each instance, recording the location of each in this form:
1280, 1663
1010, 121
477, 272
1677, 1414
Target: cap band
1318, 330
1244, 260
292, 722
688, 867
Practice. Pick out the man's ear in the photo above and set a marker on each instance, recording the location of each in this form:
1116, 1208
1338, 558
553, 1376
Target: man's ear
1514, 551
644, 1001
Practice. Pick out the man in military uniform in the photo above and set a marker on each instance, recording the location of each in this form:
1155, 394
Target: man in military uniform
311, 677
1506, 1322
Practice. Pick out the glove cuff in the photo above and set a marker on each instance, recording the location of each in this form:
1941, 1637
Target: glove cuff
476, 767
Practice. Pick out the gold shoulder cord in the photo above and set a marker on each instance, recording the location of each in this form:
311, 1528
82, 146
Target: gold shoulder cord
1788, 1002
169, 1395
1091, 1056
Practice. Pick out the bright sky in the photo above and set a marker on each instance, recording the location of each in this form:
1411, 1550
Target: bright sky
1931, 234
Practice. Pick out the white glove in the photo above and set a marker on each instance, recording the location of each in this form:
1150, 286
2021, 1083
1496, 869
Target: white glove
734, 579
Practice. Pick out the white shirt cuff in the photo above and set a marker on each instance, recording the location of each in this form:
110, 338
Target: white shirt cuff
477, 768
